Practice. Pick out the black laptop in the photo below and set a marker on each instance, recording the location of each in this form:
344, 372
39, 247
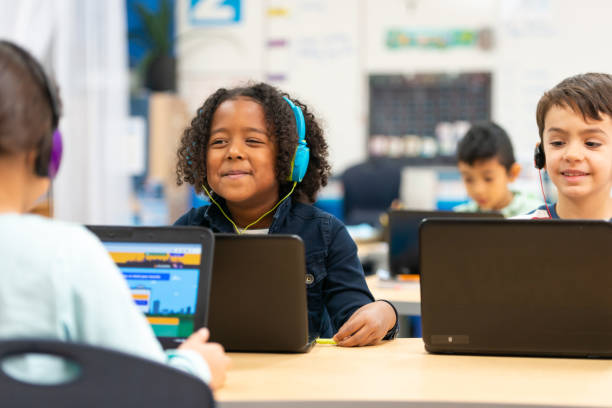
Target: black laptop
517, 287
258, 294
168, 270
404, 236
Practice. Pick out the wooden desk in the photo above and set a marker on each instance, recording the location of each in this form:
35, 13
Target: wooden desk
402, 373
405, 296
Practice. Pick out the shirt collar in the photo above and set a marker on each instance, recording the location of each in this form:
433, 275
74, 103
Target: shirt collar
220, 223
553, 211
217, 221
281, 214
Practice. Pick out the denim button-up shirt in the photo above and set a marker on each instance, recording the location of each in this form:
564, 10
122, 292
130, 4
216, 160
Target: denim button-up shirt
335, 281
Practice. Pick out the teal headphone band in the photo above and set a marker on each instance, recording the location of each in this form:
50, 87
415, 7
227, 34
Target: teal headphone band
299, 165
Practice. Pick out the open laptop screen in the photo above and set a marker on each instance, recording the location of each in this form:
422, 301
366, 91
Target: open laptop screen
163, 279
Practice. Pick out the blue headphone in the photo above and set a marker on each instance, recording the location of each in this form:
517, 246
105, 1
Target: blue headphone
299, 165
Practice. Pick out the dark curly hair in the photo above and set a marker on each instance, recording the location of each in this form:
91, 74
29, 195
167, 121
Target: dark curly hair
280, 121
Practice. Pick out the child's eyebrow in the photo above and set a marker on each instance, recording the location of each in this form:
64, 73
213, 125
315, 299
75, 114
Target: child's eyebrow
557, 130
244, 129
252, 129
593, 130
582, 132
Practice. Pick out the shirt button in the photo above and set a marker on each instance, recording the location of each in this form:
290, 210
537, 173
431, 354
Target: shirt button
309, 278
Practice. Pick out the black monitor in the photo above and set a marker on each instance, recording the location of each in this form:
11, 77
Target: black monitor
404, 236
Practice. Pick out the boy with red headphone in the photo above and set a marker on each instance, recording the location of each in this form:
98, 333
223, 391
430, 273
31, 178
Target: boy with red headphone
575, 126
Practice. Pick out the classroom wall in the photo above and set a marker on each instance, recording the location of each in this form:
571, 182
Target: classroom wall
308, 48
332, 46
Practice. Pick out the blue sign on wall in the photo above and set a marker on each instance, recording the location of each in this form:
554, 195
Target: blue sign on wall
214, 12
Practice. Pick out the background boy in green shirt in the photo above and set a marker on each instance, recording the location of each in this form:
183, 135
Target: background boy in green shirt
487, 165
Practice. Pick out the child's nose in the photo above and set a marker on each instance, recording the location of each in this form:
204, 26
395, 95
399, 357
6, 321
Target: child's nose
573, 151
235, 151
479, 188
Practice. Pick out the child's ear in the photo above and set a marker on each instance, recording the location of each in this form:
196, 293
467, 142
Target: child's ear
514, 171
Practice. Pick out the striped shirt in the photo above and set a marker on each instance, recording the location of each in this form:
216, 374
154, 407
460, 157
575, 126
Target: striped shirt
541, 213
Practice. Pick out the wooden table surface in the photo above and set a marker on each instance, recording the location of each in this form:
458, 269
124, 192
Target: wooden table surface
402, 373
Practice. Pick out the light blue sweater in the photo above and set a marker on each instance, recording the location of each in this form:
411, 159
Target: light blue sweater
58, 282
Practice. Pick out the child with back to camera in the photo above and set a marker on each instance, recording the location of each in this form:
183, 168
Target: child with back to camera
575, 127
487, 165
58, 281
261, 157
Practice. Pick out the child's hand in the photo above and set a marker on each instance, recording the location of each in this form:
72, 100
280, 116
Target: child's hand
367, 326
213, 353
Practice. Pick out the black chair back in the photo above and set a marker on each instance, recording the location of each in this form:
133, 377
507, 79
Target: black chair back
369, 189
107, 379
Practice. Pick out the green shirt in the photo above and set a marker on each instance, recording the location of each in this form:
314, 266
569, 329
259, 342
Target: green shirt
520, 204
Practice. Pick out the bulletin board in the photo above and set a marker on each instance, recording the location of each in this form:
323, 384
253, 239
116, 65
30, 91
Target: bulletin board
419, 118
402, 105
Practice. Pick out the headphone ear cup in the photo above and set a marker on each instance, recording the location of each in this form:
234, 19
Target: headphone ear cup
49, 156
299, 165
539, 159
300, 162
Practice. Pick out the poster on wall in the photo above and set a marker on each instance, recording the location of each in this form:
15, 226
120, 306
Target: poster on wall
440, 39
214, 12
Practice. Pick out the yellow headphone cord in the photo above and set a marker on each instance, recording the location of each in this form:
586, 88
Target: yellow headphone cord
238, 230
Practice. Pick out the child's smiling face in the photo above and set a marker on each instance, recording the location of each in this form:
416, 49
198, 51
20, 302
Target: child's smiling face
241, 155
578, 153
